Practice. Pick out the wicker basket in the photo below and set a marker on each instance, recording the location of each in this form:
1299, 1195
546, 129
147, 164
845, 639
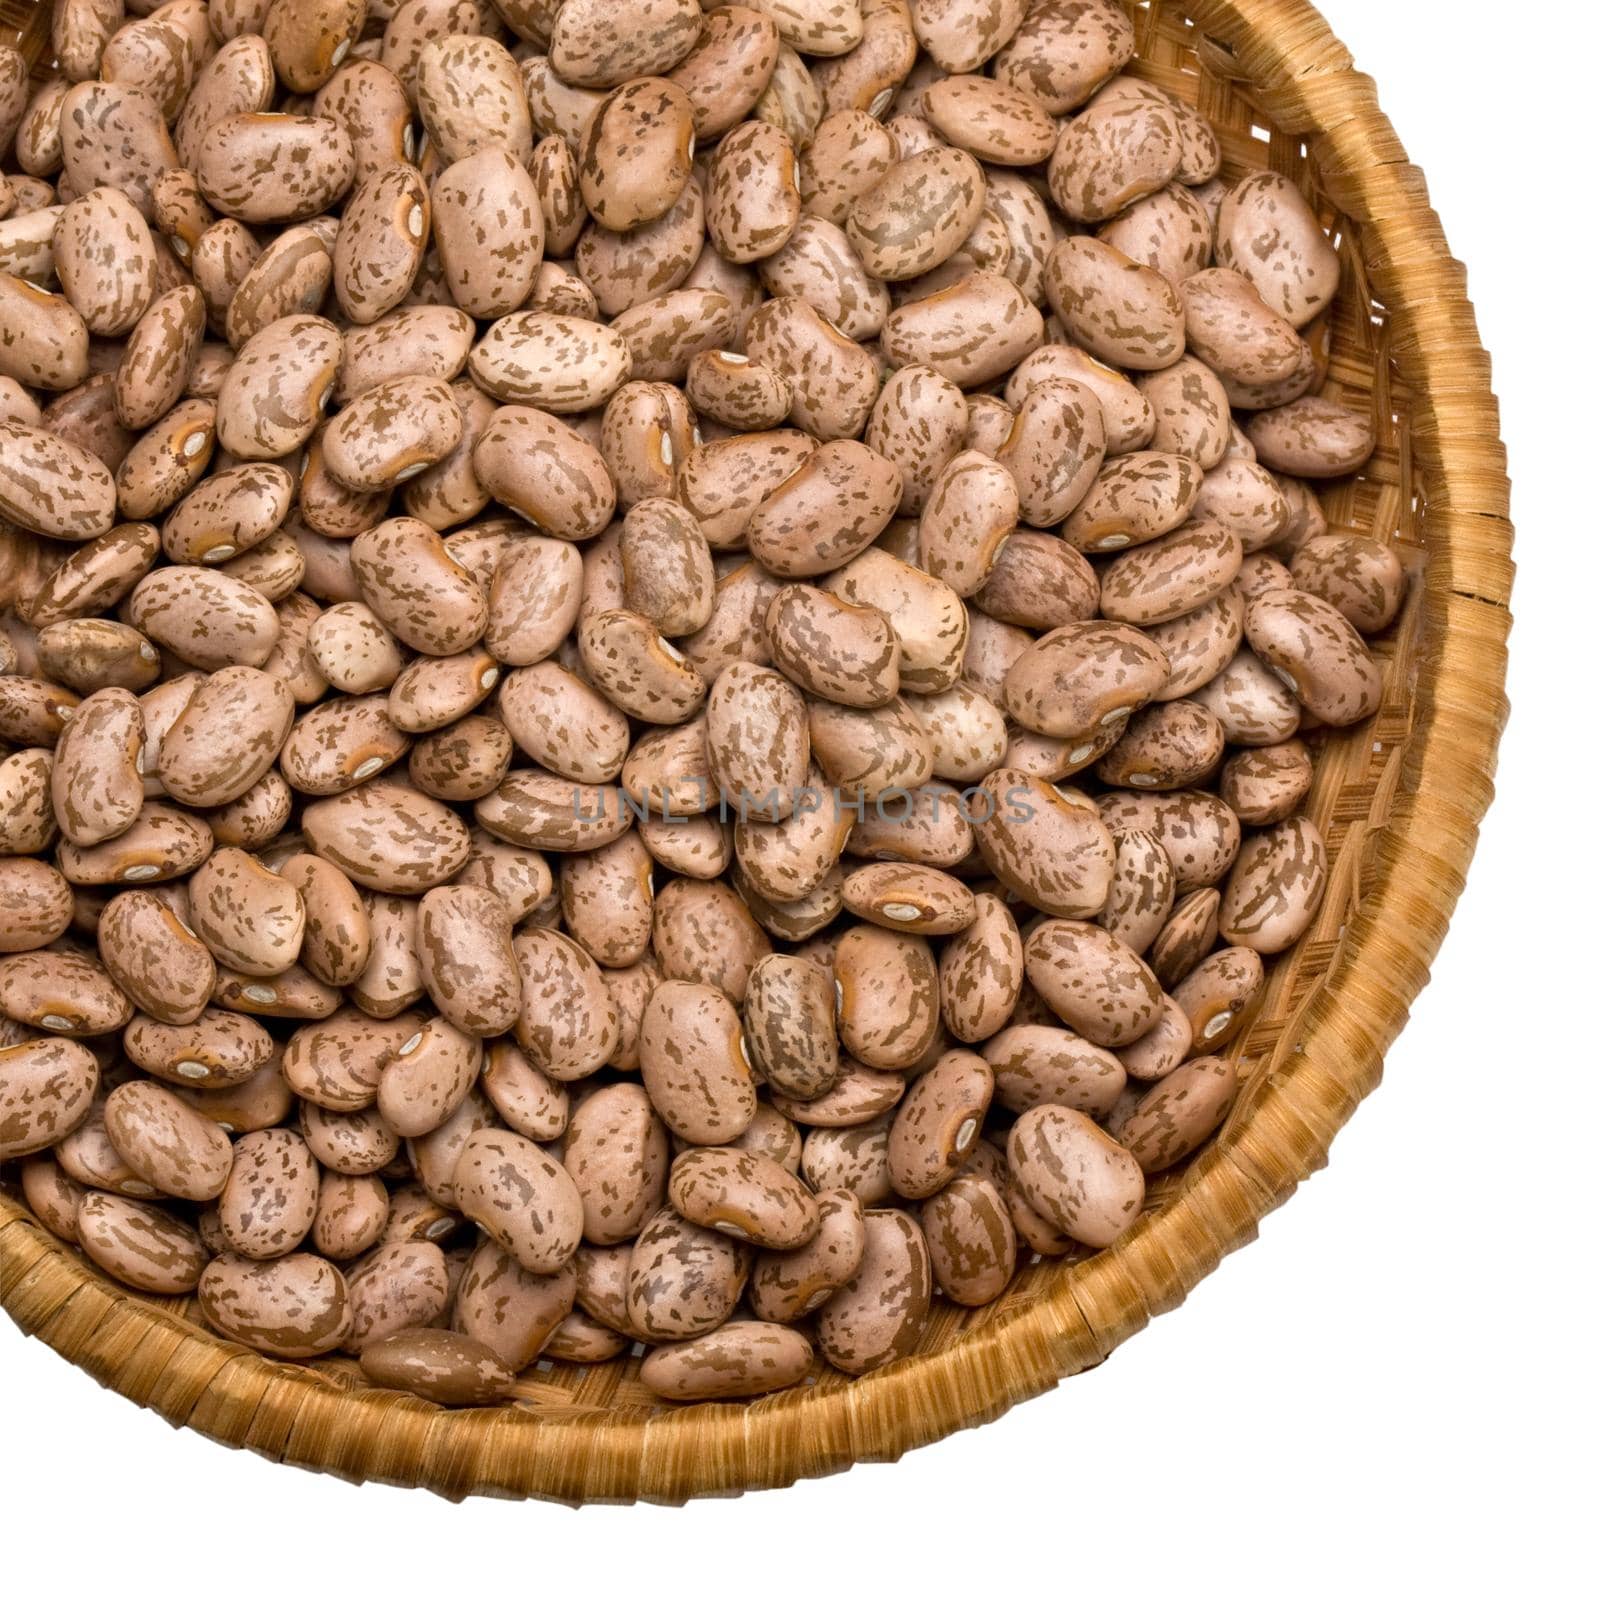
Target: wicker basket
1399, 799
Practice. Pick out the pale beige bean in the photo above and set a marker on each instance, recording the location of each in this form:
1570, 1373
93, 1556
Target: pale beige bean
789, 1023
275, 392
1112, 154
39, 902
568, 1023
849, 153
215, 1049
1162, 1049
539, 811
113, 135
1313, 437
819, 264
1143, 888
617, 1152
411, 582
1117, 309
1171, 576
786, 1285
227, 736
1136, 498
106, 261
736, 391
387, 837
533, 600
972, 510
634, 157
512, 1311
833, 382
52, 486
1189, 932
1054, 449
608, 900
1360, 577
351, 1214
752, 201
1170, 231
981, 972
910, 897
888, 1001
842, 652
1251, 701
666, 567
560, 364
935, 1128
1235, 332
545, 472
400, 1285
96, 787
972, 332
1196, 829
683, 1280
917, 214
640, 672
95, 576
1268, 232
311, 162
1275, 887
269, 1202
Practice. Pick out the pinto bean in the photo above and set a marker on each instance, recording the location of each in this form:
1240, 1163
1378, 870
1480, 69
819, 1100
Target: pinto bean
800, 520
1078, 1177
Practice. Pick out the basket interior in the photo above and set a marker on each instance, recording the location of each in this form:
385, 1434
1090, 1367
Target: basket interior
1357, 770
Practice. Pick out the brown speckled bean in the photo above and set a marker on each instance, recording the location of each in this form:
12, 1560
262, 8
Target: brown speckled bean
46, 1089
616, 1150
1177, 1115
878, 1315
140, 1244
522, 1199
695, 1064
269, 1202
745, 1195
1078, 1177
293, 1307
683, 1280
171, 1146
972, 1243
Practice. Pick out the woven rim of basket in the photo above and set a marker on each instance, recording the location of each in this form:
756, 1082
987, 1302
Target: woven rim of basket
1303, 79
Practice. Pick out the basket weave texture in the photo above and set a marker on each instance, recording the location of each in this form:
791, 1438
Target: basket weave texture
1399, 800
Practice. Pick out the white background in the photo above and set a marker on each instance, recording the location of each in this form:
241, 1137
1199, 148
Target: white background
1394, 1387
